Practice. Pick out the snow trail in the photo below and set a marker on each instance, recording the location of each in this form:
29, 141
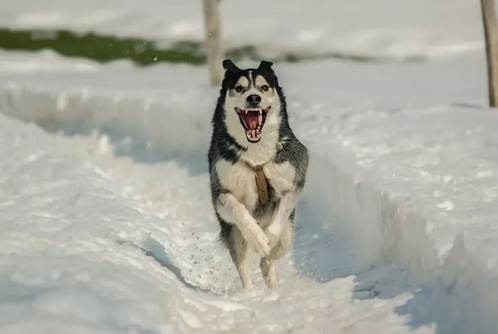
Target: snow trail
190, 247
135, 244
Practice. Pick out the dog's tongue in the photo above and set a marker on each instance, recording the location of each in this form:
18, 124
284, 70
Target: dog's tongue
251, 119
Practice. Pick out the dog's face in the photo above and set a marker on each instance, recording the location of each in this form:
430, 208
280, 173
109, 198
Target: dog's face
251, 101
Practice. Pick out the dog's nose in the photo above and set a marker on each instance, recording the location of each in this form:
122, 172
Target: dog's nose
254, 100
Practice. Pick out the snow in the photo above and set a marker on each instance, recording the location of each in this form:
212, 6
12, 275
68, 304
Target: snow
45, 61
134, 244
395, 232
107, 225
403, 29
63, 267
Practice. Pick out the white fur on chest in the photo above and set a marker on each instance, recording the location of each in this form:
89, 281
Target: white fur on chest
240, 180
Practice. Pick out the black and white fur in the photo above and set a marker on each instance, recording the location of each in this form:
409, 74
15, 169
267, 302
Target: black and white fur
246, 224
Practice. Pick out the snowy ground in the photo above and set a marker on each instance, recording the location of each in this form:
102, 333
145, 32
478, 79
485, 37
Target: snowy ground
106, 244
402, 29
396, 230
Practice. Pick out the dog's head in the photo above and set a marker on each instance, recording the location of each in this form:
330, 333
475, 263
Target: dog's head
252, 100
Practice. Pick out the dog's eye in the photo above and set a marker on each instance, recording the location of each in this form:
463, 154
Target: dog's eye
238, 89
265, 88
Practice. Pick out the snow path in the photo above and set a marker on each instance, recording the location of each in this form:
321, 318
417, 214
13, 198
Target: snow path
90, 252
186, 208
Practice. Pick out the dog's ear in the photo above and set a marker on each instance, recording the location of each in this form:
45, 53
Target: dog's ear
228, 65
265, 65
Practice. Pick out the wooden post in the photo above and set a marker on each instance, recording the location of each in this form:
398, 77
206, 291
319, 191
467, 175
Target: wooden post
214, 45
491, 37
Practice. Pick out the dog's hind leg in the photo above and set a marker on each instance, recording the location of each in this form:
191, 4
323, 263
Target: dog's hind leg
267, 266
240, 253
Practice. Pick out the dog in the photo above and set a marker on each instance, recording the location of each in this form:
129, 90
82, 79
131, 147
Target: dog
257, 169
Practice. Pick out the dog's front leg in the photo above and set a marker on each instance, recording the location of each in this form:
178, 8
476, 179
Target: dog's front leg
234, 212
281, 217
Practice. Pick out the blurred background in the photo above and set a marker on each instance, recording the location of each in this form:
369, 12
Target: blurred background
152, 31
378, 42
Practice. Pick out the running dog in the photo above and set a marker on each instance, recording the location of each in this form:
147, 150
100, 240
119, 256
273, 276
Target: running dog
257, 168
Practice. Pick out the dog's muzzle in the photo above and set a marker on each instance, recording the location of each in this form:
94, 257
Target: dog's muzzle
253, 120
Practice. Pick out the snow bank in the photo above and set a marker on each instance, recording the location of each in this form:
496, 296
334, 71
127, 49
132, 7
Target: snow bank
71, 272
415, 187
420, 189
45, 61
403, 29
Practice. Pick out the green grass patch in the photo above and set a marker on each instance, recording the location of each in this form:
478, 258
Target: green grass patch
105, 48
99, 47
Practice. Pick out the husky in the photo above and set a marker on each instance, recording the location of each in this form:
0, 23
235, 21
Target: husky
257, 169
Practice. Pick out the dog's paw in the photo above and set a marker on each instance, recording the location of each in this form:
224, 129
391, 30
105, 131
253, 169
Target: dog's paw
273, 234
258, 240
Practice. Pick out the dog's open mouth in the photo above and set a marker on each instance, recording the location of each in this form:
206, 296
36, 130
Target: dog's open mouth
253, 120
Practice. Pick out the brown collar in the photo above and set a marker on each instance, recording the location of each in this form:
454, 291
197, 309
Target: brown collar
261, 183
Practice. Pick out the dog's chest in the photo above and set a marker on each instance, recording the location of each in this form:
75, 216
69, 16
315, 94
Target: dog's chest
240, 180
